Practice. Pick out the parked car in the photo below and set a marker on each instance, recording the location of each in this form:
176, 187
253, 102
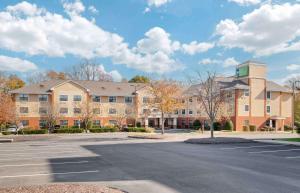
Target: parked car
12, 129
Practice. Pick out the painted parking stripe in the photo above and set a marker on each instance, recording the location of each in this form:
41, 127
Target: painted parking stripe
43, 164
34, 153
255, 146
271, 151
17, 149
295, 157
48, 174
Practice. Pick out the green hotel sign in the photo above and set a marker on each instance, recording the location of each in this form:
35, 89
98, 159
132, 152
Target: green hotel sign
242, 71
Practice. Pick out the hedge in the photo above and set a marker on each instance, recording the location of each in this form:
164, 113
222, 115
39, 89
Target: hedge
245, 128
228, 126
27, 132
103, 130
68, 130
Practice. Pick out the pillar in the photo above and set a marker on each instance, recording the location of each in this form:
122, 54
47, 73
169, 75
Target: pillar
146, 122
174, 123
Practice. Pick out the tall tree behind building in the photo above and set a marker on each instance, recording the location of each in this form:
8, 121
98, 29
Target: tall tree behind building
139, 79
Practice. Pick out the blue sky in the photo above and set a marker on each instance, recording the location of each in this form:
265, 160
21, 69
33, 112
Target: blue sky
170, 38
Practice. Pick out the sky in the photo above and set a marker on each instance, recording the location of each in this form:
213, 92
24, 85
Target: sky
156, 38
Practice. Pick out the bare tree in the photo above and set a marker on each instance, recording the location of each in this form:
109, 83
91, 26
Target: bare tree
86, 115
52, 117
211, 97
88, 70
45, 76
166, 97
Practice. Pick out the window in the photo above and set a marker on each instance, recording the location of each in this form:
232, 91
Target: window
268, 109
176, 112
77, 98
43, 98
63, 110
77, 123
43, 123
190, 112
112, 99
96, 111
113, 122
96, 123
145, 111
146, 100
43, 110
190, 100
112, 111
63, 122
198, 112
183, 111
77, 110
229, 94
246, 108
25, 123
246, 122
23, 109
23, 97
268, 95
96, 99
246, 92
128, 99
63, 97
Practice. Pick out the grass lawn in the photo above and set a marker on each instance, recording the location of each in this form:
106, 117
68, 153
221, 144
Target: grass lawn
292, 139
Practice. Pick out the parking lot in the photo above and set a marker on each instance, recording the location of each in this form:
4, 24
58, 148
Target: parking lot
137, 165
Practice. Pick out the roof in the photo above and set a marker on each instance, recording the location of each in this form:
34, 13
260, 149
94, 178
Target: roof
272, 86
93, 87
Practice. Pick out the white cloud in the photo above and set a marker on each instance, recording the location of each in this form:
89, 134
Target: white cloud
267, 30
15, 64
195, 47
230, 62
157, 3
93, 9
207, 61
225, 63
245, 2
75, 7
146, 10
35, 31
117, 77
292, 67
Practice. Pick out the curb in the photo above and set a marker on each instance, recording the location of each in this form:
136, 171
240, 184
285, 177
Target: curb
278, 142
6, 140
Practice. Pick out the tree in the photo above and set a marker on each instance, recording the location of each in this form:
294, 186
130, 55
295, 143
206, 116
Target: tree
88, 70
86, 115
7, 110
122, 117
45, 76
11, 82
52, 117
139, 79
166, 97
210, 96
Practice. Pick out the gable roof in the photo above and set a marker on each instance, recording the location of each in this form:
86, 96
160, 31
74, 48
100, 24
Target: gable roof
93, 87
272, 86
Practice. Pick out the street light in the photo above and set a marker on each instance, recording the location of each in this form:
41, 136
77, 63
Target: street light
293, 107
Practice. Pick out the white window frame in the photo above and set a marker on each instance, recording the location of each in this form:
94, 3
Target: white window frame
75, 98
114, 101
93, 97
22, 96
41, 96
61, 98
246, 92
269, 109
127, 97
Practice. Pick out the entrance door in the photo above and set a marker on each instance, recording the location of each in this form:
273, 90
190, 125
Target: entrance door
274, 123
151, 123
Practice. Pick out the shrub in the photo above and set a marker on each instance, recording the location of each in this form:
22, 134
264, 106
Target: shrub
103, 130
245, 128
252, 127
287, 128
29, 131
7, 133
196, 124
217, 126
139, 129
67, 130
138, 124
228, 125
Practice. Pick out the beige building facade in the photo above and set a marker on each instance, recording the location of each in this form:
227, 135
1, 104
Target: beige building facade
250, 99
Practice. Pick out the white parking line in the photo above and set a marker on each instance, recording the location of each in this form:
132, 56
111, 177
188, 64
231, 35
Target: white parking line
249, 147
48, 174
34, 149
34, 153
295, 157
271, 151
44, 164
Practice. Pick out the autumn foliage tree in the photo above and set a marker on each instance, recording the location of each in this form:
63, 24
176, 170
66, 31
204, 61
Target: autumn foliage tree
166, 97
7, 110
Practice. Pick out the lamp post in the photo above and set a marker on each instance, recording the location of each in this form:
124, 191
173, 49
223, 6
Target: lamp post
136, 103
293, 106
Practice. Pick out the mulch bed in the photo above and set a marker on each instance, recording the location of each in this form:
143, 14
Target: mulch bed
61, 188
